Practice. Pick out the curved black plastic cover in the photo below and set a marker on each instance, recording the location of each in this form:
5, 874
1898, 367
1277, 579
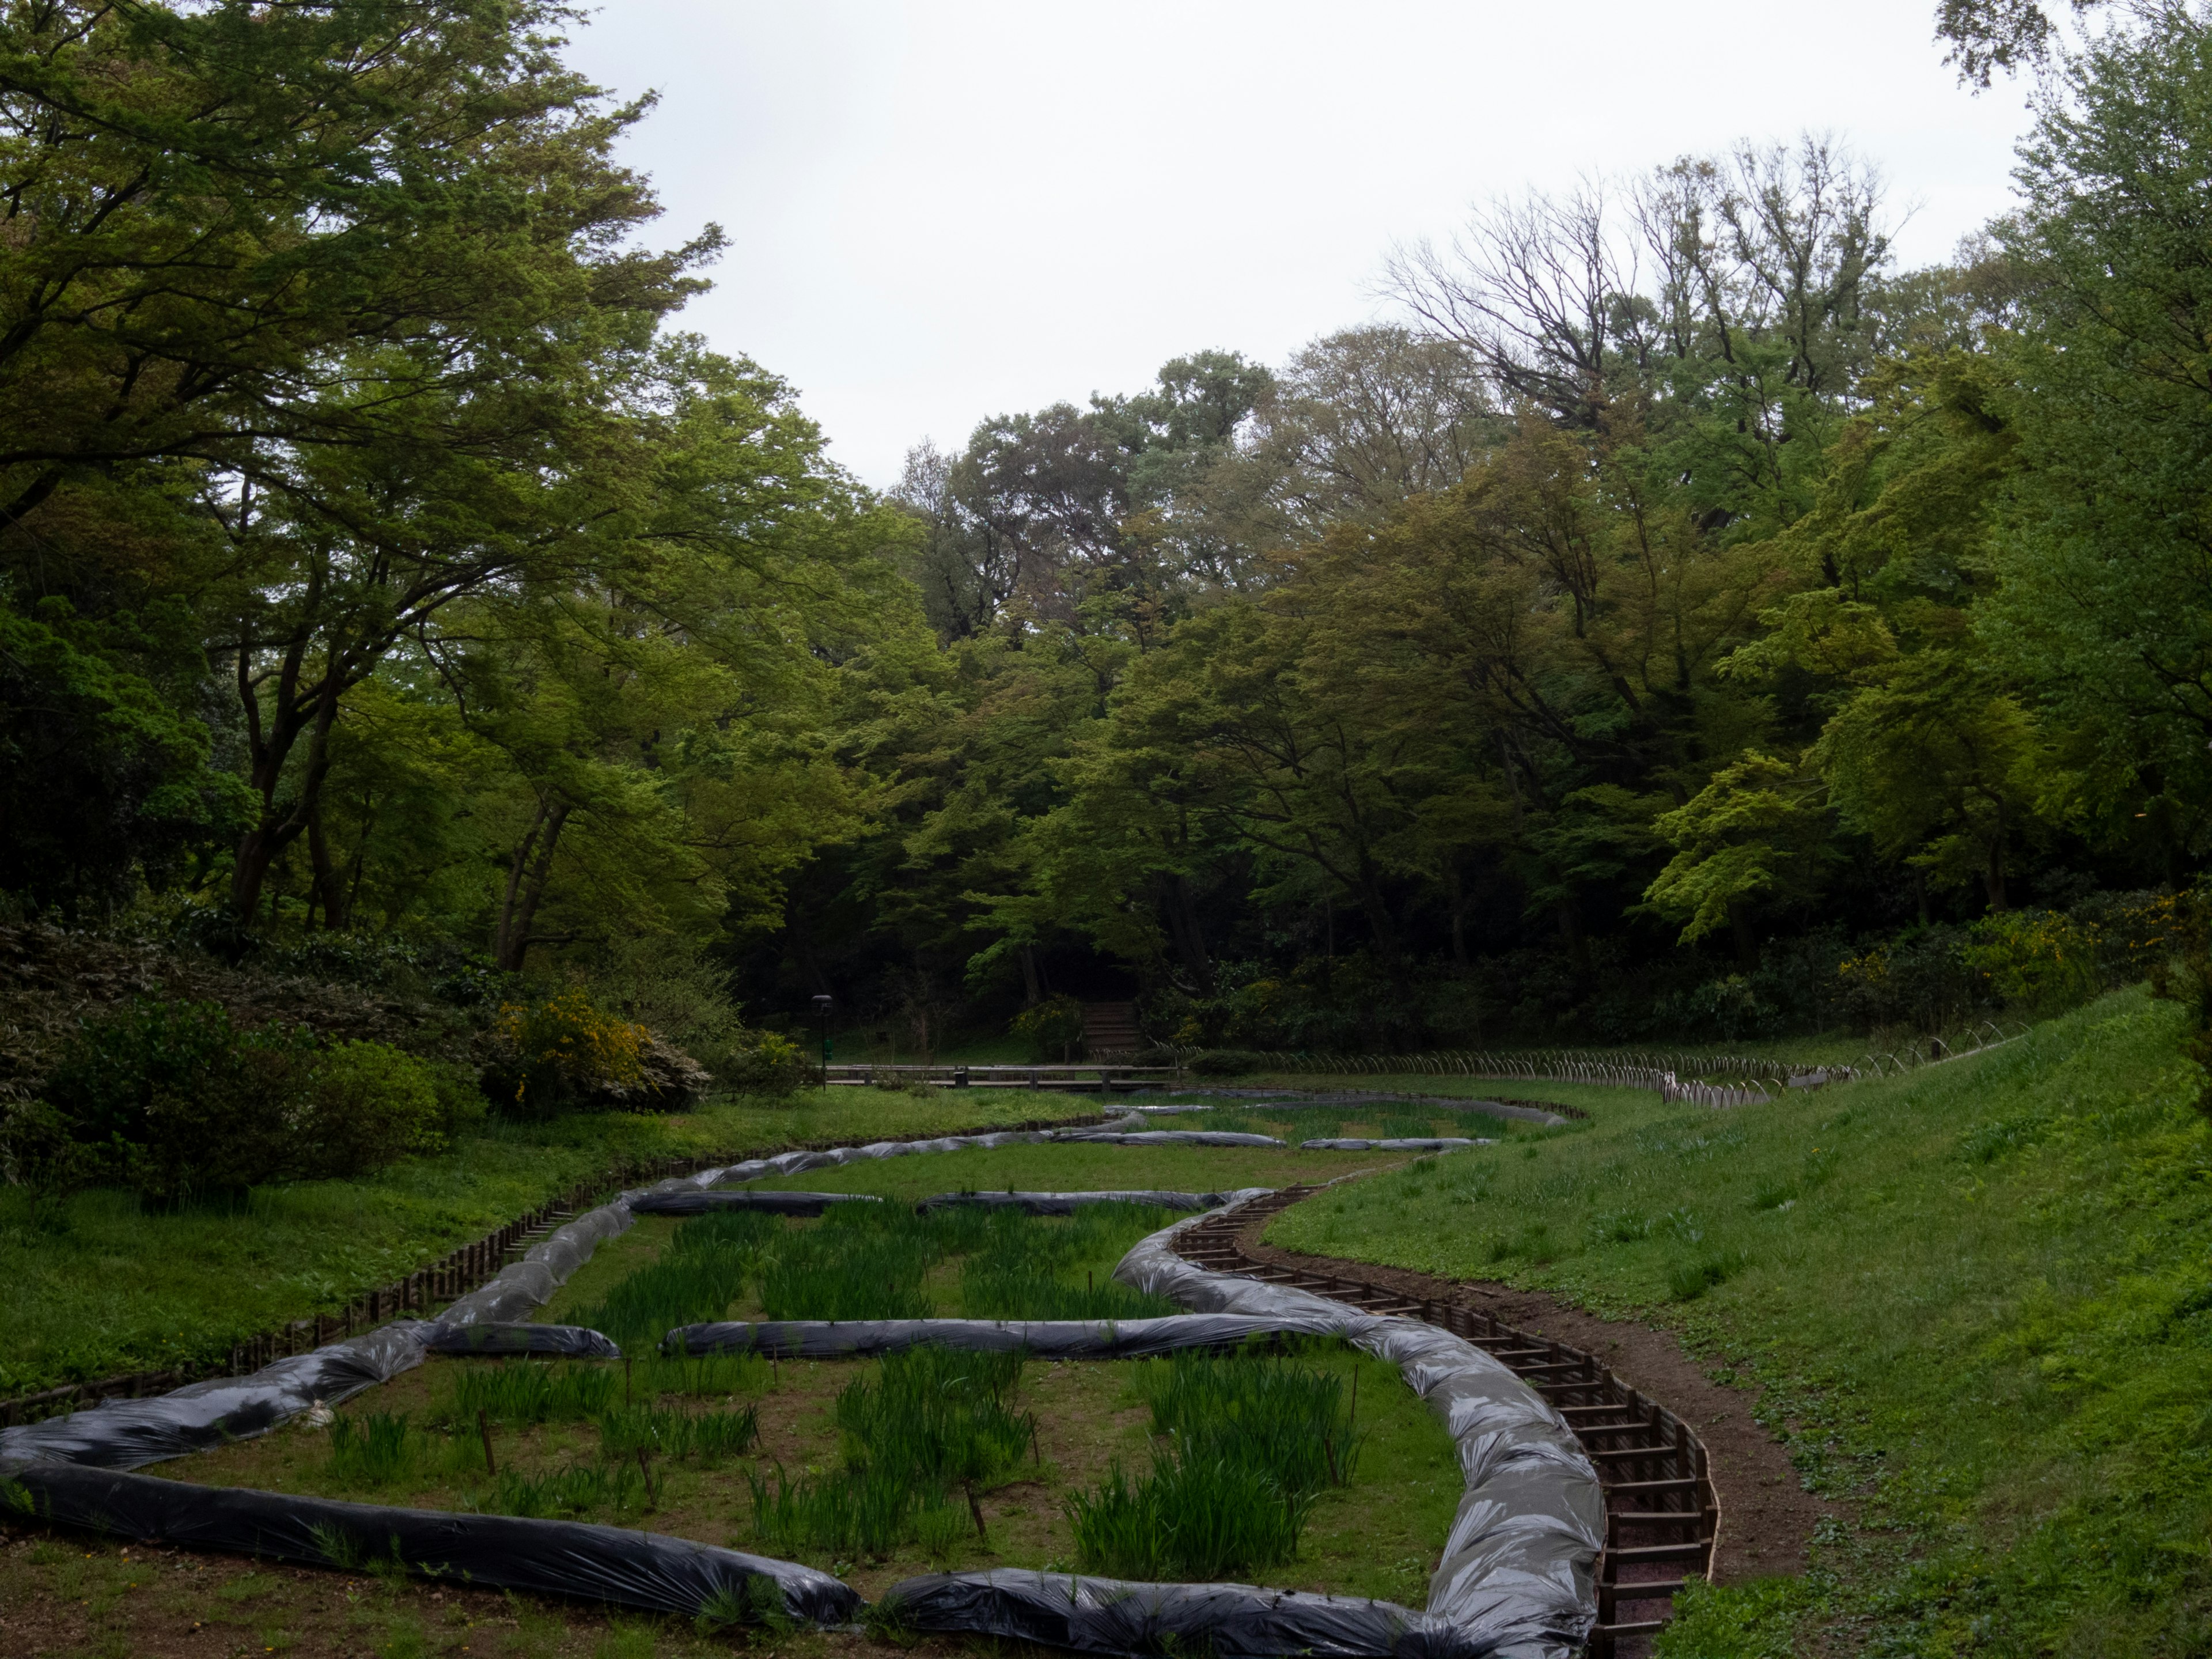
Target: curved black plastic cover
699, 1202
554, 1558
1166, 1138
123, 1434
1068, 1203
1042, 1339
1407, 1144
556, 1341
1113, 1615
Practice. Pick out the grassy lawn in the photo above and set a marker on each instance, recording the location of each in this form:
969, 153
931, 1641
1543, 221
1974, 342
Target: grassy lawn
104, 1288
1979, 1298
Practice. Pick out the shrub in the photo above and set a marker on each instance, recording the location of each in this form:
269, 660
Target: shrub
764, 1063
561, 1052
172, 1100
1053, 1028
367, 1104
2037, 961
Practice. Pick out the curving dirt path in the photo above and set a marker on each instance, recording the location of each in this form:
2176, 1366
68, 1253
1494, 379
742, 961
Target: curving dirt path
1767, 1517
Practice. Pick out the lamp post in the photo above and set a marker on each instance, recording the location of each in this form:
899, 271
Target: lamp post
822, 1005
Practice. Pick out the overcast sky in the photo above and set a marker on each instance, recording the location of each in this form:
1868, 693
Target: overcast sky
938, 212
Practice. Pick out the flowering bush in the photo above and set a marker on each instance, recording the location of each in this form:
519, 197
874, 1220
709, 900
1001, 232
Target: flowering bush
561, 1052
2037, 961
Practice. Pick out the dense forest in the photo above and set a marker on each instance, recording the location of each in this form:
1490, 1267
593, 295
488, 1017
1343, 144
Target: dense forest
1677, 618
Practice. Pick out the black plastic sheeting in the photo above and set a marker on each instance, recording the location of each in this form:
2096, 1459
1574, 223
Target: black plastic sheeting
705, 1203
1040, 1339
126, 1434
1407, 1144
506, 1340
553, 1557
1069, 1203
1113, 1615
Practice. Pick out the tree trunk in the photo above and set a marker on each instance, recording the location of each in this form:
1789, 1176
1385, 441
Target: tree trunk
280, 822
327, 886
528, 874
1031, 995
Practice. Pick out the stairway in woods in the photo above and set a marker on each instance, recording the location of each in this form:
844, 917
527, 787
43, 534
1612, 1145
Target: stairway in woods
1111, 1029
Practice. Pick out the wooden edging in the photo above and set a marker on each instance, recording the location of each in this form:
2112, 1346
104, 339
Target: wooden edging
452, 1275
1661, 1512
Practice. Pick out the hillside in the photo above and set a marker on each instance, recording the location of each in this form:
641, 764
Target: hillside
1973, 1301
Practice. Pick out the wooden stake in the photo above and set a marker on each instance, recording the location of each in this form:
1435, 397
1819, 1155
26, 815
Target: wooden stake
974, 1508
483, 1428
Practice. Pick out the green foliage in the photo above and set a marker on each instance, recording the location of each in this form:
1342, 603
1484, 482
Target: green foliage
174, 1101
704, 1271
1185, 1520
106, 776
2038, 961
767, 1063
517, 1395
373, 1449
368, 1103
578, 1490
709, 1438
1250, 1441
560, 1051
1290, 1421
1746, 834
934, 1421
1053, 1029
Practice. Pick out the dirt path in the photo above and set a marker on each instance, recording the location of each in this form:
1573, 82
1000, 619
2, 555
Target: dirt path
1767, 1517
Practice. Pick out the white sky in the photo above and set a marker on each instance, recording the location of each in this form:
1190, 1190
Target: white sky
939, 212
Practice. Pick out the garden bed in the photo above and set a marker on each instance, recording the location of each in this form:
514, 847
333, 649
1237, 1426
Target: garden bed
861, 1467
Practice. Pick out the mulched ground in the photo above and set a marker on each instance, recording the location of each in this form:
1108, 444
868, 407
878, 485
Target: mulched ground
1767, 1517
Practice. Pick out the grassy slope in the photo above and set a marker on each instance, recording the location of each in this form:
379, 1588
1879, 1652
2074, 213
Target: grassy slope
1978, 1297
114, 1290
